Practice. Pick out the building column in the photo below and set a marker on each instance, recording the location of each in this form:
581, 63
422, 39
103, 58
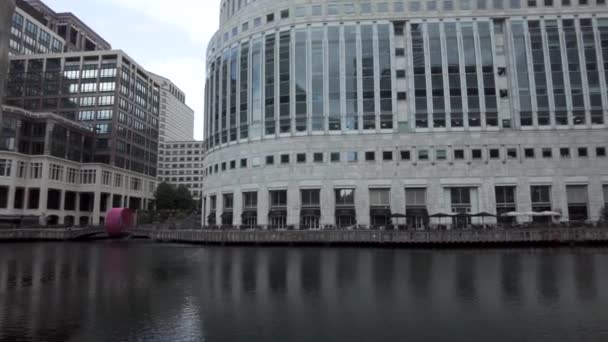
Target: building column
109, 201
62, 207
328, 204
397, 201
559, 198
263, 206
10, 205
293, 205
237, 207
362, 203
96, 205
524, 199
595, 193
48, 137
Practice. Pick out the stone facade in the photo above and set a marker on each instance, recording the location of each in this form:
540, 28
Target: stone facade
411, 108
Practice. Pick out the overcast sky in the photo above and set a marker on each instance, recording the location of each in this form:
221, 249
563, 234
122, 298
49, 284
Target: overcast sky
165, 37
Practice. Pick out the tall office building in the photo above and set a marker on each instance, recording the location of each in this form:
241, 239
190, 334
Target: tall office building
176, 118
181, 163
344, 113
29, 35
77, 35
106, 90
6, 11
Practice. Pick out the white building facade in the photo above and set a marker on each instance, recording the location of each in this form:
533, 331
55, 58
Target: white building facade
176, 118
181, 163
54, 186
321, 113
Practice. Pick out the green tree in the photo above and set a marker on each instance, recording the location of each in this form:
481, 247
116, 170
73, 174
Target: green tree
183, 199
165, 196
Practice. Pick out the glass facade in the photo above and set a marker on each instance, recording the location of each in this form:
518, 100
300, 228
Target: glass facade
461, 75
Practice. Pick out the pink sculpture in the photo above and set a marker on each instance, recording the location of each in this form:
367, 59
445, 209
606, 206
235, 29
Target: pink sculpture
118, 220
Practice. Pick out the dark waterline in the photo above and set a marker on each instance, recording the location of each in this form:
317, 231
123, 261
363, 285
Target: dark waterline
139, 291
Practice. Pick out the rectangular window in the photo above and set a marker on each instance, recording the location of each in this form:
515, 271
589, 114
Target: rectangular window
278, 198
405, 155
458, 154
335, 157
5, 167
318, 157
285, 159
250, 200
577, 202
582, 152
345, 197
423, 155
564, 152
370, 156
529, 153
311, 197
415, 197
600, 151
301, 157
379, 197
352, 157
269, 160
387, 155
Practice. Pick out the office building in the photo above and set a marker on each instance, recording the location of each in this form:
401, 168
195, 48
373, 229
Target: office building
106, 90
346, 113
176, 118
181, 163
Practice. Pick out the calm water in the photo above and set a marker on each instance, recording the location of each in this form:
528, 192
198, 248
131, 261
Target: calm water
139, 291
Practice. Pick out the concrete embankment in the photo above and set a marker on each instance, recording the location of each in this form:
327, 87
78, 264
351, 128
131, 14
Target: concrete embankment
47, 234
379, 238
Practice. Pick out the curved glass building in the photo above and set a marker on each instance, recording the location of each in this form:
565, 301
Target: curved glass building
340, 113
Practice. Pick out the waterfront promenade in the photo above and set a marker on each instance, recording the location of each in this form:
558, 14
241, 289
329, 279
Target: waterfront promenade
530, 236
489, 237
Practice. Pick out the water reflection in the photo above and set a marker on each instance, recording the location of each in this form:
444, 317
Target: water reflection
142, 291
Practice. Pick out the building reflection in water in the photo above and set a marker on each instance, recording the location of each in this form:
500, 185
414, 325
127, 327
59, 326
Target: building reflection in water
125, 291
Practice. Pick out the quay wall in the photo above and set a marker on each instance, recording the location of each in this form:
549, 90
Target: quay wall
379, 238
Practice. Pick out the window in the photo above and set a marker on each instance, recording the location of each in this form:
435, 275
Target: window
5, 167
423, 155
269, 160
311, 197
415, 197
270, 17
505, 202
564, 152
302, 11
285, 14
345, 197
441, 154
405, 155
233, 164
36, 170
332, 9
370, 156
352, 156
56, 172
577, 202
600, 151
278, 198
318, 157
387, 155
335, 157
117, 181
250, 199
87, 176
529, 153
301, 157
512, 153
379, 197
244, 163
228, 202
400, 73
106, 176
285, 159
400, 52
541, 198
547, 153
494, 153
458, 154
477, 154
582, 152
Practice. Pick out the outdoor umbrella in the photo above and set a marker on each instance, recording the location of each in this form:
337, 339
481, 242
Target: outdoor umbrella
397, 216
440, 216
483, 215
